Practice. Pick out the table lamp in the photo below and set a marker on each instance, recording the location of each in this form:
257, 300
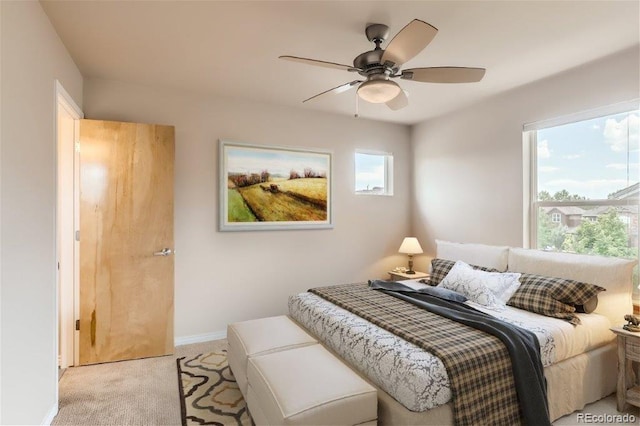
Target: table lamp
410, 246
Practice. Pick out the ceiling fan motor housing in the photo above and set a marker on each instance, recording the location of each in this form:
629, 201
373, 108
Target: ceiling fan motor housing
370, 62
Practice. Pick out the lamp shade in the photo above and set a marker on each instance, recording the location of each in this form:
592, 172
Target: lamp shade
410, 245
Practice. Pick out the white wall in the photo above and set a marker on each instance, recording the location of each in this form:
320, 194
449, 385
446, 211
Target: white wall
468, 165
229, 276
32, 58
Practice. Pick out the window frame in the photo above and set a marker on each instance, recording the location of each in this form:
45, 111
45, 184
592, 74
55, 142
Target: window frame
388, 172
530, 140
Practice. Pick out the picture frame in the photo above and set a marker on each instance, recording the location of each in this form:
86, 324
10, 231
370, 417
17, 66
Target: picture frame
274, 187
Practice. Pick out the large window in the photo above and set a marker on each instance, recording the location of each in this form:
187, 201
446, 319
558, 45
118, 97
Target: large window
584, 183
374, 173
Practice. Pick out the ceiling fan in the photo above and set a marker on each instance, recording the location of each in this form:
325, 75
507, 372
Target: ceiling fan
379, 66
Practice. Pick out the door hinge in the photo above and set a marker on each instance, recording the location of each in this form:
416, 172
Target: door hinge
58, 266
77, 235
78, 325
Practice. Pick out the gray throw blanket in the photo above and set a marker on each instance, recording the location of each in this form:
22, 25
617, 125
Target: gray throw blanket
478, 364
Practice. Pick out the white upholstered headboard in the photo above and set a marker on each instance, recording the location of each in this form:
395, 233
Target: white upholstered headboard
495, 257
614, 274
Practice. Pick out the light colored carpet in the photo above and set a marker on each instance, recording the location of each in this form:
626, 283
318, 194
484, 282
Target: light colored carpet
145, 392
138, 392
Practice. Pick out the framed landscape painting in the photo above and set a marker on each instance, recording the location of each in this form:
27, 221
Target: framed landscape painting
274, 188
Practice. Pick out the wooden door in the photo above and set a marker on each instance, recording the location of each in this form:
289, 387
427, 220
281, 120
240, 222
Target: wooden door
126, 220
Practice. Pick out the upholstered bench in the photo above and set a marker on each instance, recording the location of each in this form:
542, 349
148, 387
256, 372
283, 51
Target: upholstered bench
258, 337
308, 386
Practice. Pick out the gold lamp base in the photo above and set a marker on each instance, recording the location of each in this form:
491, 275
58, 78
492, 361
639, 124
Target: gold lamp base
410, 271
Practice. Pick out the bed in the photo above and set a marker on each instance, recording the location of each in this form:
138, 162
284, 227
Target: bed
414, 388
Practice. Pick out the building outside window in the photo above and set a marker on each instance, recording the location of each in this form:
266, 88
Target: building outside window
373, 173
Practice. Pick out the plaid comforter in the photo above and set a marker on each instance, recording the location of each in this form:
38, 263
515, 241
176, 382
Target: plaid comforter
478, 364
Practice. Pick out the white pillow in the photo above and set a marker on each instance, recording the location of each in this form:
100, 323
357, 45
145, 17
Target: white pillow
512, 284
486, 288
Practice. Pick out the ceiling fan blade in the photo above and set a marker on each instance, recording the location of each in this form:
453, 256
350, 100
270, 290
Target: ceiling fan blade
444, 74
337, 89
410, 41
318, 63
399, 101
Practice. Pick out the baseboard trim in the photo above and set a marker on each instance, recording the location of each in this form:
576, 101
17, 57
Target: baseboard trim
199, 338
53, 412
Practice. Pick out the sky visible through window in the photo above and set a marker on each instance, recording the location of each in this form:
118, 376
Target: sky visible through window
591, 158
370, 171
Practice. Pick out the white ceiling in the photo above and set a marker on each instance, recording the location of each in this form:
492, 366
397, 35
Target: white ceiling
231, 48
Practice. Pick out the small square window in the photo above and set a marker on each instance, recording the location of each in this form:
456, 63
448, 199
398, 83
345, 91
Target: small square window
374, 173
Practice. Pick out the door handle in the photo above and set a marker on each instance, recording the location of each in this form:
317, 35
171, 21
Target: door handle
164, 252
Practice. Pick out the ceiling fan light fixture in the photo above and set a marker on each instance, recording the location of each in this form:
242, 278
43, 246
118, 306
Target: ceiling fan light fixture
380, 66
378, 91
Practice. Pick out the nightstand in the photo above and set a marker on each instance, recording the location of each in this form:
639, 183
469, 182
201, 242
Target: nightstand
628, 390
399, 276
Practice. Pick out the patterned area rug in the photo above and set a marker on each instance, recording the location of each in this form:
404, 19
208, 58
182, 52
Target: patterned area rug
209, 393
